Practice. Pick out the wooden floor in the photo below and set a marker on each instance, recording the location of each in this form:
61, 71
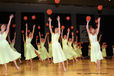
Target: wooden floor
81, 68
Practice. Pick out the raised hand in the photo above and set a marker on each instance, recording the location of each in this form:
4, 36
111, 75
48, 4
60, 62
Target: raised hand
11, 16
68, 29
58, 18
34, 26
99, 19
49, 19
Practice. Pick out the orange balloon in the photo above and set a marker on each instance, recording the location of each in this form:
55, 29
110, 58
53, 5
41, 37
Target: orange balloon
47, 33
100, 7
47, 24
33, 17
77, 31
38, 27
52, 26
68, 18
25, 18
96, 21
37, 37
57, 1
49, 11
72, 27
22, 31
88, 18
13, 25
63, 27
28, 30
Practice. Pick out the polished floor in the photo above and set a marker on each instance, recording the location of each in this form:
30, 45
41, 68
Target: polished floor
81, 68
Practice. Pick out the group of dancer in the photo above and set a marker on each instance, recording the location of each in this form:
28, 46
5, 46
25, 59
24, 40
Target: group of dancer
70, 49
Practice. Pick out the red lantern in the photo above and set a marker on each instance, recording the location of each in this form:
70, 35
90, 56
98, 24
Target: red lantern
25, 18
28, 30
52, 26
47, 24
22, 31
63, 27
33, 17
13, 25
96, 21
77, 31
100, 7
57, 1
38, 27
88, 18
68, 18
49, 11
36, 37
72, 27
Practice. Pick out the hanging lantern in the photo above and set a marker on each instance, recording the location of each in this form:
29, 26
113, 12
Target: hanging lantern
99, 7
67, 18
72, 27
88, 18
25, 18
49, 11
33, 17
38, 27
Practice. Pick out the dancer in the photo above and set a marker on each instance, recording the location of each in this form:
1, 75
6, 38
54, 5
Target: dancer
104, 46
43, 51
50, 48
30, 51
70, 42
96, 54
66, 50
6, 52
57, 52
12, 43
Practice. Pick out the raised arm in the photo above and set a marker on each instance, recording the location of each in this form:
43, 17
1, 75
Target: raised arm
14, 37
40, 36
72, 36
100, 38
50, 25
9, 38
33, 30
87, 27
8, 26
98, 27
46, 36
68, 33
62, 34
59, 25
26, 29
